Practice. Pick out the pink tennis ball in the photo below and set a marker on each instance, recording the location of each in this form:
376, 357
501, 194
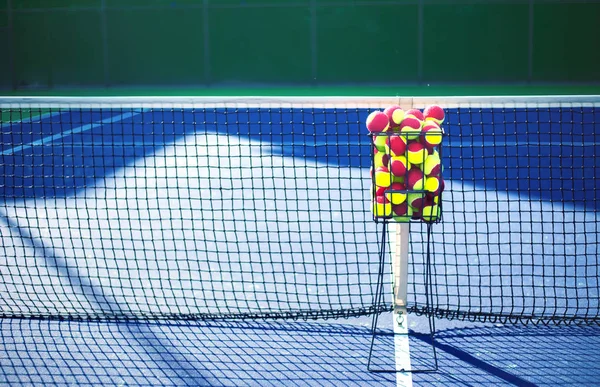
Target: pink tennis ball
402, 212
434, 113
398, 166
396, 145
377, 122
415, 179
410, 128
395, 115
416, 113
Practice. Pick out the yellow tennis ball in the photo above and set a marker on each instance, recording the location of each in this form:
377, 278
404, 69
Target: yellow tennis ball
396, 197
381, 159
380, 143
382, 206
430, 213
431, 135
432, 165
383, 177
434, 185
416, 153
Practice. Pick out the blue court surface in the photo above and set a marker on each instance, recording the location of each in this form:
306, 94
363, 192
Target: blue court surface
192, 214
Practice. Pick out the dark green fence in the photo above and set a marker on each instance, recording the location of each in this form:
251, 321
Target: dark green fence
47, 43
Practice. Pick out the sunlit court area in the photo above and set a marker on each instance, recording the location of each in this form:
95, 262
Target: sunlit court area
299, 193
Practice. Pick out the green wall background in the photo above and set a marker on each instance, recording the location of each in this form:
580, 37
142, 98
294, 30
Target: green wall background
50, 43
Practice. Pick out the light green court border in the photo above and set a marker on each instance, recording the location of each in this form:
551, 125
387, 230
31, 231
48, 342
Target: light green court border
405, 91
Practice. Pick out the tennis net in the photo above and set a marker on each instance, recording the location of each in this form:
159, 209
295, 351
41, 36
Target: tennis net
247, 207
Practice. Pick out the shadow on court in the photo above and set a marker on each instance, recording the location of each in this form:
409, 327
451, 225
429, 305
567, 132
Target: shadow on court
290, 353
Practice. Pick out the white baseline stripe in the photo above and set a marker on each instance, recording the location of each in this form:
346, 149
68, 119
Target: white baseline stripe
80, 129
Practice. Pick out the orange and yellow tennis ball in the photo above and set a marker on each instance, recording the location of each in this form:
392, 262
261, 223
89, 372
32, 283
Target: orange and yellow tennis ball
434, 113
396, 197
377, 122
416, 153
395, 116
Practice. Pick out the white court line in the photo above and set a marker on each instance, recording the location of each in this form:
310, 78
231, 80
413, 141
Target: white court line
31, 119
80, 129
398, 240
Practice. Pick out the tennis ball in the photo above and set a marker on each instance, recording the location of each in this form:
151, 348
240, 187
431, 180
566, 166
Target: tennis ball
434, 113
402, 212
410, 128
416, 113
382, 206
416, 153
380, 142
377, 121
396, 145
431, 135
416, 200
381, 159
430, 213
434, 185
396, 197
383, 178
432, 165
395, 115
378, 191
415, 179
398, 166
397, 179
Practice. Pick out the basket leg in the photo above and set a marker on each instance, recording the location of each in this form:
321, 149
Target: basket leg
428, 307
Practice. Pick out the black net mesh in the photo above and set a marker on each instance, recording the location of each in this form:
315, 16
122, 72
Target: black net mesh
192, 209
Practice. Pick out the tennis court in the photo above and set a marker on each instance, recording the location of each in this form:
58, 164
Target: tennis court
229, 241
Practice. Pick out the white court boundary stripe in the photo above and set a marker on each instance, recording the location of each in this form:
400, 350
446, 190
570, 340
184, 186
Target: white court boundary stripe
29, 120
80, 129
